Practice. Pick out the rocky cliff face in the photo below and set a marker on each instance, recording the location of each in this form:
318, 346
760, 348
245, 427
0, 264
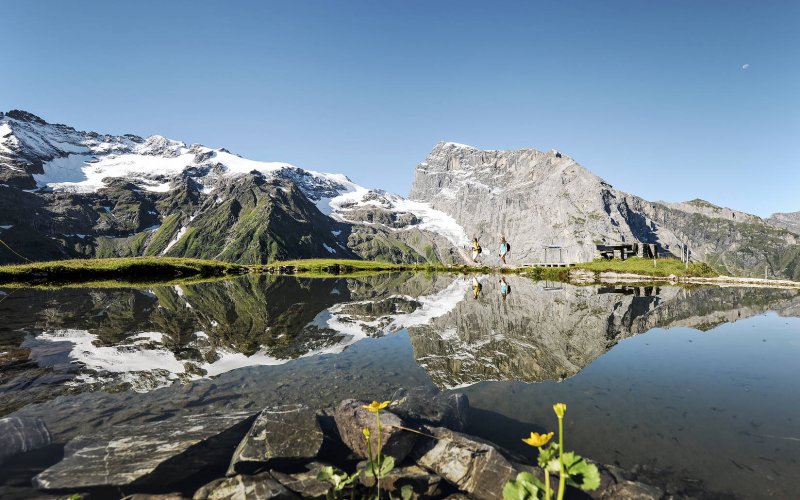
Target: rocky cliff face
788, 220
536, 199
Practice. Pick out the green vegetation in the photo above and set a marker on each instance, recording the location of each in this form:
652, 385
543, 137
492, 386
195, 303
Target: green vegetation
645, 267
128, 269
572, 469
377, 467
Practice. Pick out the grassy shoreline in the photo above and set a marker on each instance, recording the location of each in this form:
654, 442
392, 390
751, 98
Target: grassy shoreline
139, 270
134, 270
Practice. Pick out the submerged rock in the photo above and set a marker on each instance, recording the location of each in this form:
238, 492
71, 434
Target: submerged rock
474, 467
439, 409
18, 435
281, 434
351, 418
261, 486
629, 490
156, 453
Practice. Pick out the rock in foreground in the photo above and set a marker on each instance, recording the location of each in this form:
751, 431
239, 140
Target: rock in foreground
289, 433
155, 454
351, 418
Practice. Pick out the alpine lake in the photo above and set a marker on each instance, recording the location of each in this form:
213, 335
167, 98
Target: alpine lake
696, 390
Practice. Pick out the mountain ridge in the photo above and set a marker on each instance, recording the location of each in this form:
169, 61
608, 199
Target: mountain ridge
66, 193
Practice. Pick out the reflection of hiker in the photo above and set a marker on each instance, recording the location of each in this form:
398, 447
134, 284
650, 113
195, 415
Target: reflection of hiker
505, 288
476, 288
504, 248
476, 250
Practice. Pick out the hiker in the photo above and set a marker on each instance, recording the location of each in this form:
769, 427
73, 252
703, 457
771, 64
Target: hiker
476, 287
505, 288
504, 248
476, 250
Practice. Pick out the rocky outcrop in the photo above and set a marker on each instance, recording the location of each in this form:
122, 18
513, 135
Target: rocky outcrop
536, 198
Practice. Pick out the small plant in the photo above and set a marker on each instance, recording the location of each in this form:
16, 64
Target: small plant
571, 468
339, 481
378, 465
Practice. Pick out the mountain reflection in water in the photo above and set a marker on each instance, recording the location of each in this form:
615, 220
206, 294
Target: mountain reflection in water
71, 340
131, 356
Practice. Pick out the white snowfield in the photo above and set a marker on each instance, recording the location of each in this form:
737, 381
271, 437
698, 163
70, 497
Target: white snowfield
83, 162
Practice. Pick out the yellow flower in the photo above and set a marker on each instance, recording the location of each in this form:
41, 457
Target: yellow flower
560, 409
365, 432
375, 407
537, 439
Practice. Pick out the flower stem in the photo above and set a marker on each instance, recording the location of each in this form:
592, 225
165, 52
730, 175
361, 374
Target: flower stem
380, 447
371, 461
562, 477
546, 484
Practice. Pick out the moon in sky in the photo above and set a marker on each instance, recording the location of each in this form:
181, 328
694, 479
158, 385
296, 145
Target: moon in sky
745, 66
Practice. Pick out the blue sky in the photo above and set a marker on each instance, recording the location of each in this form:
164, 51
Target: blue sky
652, 96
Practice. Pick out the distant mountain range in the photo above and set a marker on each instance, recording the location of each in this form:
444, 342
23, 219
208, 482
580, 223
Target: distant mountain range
66, 194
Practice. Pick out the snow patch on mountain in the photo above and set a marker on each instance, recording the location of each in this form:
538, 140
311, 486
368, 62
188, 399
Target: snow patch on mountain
61, 159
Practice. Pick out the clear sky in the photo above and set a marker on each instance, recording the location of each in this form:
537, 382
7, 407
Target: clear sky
666, 99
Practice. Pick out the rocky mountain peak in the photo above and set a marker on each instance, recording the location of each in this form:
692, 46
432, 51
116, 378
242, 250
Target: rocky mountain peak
534, 198
24, 116
786, 220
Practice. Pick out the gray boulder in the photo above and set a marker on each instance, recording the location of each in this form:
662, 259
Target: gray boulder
259, 487
351, 418
474, 467
156, 453
18, 435
281, 434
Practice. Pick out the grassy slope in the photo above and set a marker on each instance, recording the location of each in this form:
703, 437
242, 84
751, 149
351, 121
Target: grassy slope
644, 267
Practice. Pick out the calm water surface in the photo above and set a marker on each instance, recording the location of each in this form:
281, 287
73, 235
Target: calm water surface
695, 390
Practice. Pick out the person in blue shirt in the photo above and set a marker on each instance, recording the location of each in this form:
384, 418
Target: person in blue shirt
504, 248
505, 289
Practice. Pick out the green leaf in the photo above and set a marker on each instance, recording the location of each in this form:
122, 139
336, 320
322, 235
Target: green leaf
547, 454
580, 473
406, 492
325, 473
525, 487
386, 466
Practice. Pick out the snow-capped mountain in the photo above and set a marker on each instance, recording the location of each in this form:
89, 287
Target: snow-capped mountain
66, 193
71, 193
